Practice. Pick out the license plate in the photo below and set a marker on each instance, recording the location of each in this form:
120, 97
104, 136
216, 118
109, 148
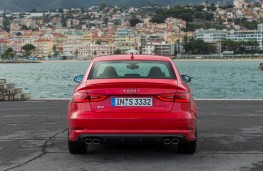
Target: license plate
131, 101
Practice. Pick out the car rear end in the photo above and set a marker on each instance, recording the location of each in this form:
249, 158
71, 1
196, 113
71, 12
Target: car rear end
129, 99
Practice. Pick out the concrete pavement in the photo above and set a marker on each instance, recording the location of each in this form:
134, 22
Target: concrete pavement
33, 137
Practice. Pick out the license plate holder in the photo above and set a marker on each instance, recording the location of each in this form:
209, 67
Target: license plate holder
138, 102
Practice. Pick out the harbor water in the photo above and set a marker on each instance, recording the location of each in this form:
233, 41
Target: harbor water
221, 79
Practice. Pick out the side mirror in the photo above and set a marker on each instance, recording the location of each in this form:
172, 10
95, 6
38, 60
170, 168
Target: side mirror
186, 78
78, 78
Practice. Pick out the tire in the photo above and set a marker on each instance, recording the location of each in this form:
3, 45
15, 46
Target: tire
187, 148
77, 147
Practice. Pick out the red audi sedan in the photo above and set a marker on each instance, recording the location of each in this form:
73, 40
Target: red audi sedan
132, 99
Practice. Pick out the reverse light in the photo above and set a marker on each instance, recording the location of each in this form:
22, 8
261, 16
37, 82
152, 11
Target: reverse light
182, 97
85, 97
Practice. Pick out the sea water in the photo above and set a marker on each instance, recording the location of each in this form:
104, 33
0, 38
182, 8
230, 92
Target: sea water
226, 79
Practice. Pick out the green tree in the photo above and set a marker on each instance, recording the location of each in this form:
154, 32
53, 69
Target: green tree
63, 21
18, 33
117, 51
9, 53
212, 7
82, 10
28, 49
55, 52
60, 10
249, 25
105, 20
237, 46
199, 8
134, 21
98, 42
102, 6
240, 47
54, 48
33, 10
24, 27
185, 39
198, 46
6, 23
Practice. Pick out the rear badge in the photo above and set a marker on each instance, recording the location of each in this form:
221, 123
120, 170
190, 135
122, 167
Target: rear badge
131, 91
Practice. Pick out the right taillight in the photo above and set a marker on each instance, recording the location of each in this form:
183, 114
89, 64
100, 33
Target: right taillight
182, 97
85, 97
166, 97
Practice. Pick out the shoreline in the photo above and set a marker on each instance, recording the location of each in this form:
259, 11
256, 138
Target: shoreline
228, 59
184, 60
190, 60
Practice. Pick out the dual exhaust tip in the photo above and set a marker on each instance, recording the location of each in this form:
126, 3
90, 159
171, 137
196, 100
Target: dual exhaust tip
168, 141
92, 141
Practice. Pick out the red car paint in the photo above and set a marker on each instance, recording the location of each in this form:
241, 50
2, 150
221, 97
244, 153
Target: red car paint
91, 112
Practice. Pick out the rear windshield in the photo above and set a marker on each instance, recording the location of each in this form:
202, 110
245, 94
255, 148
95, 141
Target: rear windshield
132, 69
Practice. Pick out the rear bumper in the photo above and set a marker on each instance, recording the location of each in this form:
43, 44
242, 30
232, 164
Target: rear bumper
128, 128
131, 125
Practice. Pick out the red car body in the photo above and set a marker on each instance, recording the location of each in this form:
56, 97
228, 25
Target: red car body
161, 109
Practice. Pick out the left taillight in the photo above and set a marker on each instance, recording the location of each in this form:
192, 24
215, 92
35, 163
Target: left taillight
85, 97
181, 97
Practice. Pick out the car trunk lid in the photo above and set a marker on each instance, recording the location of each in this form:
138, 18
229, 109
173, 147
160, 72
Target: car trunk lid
131, 95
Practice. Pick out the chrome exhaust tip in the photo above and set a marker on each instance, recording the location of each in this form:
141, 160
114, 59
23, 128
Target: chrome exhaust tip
88, 141
96, 141
175, 140
167, 141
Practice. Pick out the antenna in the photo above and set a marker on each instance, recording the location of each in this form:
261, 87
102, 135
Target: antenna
132, 57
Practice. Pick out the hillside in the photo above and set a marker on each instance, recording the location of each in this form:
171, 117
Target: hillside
27, 5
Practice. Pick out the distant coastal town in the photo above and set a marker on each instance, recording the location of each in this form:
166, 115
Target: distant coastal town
208, 30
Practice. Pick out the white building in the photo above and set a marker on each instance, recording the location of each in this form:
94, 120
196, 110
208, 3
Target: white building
218, 36
132, 51
89, 51
247, 36
148, 49
71, 49
126, 39
239, 3
211, 35
37, 14
260, 27
158, 48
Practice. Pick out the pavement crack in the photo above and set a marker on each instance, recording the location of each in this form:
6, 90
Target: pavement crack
48, 143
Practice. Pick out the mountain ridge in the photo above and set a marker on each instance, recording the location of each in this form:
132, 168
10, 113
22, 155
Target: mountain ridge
27, 5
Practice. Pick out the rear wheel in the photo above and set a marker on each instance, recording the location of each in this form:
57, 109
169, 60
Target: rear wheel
77, 147
187, 148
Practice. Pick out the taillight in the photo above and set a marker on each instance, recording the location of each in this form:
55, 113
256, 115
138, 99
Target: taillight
96, 97
182, 97
85, 97
166, 97
177, 97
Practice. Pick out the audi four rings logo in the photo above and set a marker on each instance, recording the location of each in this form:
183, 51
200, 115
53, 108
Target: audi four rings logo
131, 90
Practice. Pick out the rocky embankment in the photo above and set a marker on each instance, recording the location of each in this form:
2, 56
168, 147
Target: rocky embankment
8, 92
15, 62
261, 66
